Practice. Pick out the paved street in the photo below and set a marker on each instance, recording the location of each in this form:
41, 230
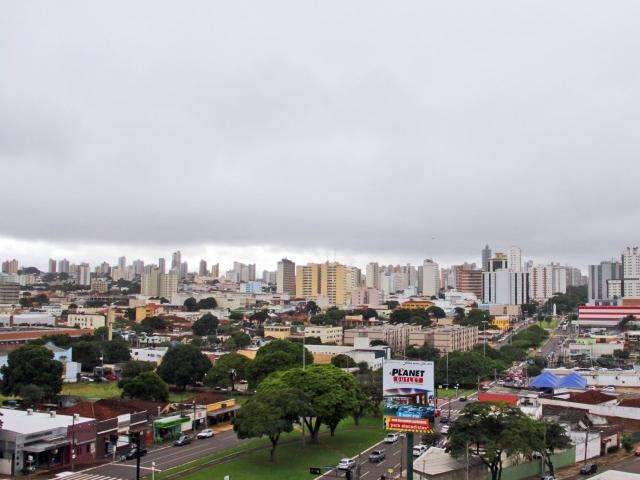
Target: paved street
165, 457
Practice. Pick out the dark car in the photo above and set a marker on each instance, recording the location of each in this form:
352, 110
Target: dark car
183, 440
376, 456
444, 419
589, 468
462, 399
131, 454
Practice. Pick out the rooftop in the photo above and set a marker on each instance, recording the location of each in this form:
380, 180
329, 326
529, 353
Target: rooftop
20, 421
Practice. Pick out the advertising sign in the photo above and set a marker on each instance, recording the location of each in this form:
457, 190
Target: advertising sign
407, 387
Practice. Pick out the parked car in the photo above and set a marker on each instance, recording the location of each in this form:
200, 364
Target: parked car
346, 464
419, 450
535, 454
609, 388
391, 438
444, 419
444, 429
183, 440
462, 399
589, 468
376, 456
206, 433
131, 454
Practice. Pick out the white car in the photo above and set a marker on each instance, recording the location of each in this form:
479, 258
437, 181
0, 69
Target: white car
419, 450
206, 433
347, 464
610, 388
444, 429
391, 438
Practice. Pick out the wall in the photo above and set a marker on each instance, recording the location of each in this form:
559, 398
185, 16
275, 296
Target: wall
534, 467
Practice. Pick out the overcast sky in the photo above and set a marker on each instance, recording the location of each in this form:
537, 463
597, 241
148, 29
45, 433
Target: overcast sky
354, 130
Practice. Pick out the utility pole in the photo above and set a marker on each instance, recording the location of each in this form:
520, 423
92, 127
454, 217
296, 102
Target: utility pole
73, 441
304, 365
137, 437
409, 456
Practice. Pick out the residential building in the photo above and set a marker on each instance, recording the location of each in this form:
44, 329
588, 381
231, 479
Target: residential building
614, 289
122, 262
599, 276
254, 286
541, 282
468, 280
9, 290
149, 354
176, 260
99, 285
162, 265
52, 265
396, 336
168, 285
334, 283
327, 334
430, 278
10, 266
150, 281
631, 272
373, 275
279, 332
202, 269
215, 270
416, 304
454, 338
366, 296
184, 269
86, 320
286, 277
505, 287
84, 274
241, 272
138, 267
308, 281
486, 256
63, 266
514, 259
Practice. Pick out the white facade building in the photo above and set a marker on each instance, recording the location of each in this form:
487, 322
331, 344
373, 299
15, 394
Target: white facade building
430, 278
631, 272
514, 259
504, 287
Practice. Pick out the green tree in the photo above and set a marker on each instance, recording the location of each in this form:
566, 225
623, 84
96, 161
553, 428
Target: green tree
627, 443
207, 324
269, 413
191, 305
378, 343
259, 316
116, 351
241, 339
31, 395
425, 352
554, 438
392, 304
133, 368
624, 324
535, 366
436, 312
466, 368
32, 365
475, 318
312, 307
330, 394
343, 361
236, 316
146, 386
183, 365
274, 356
227, 367
207, 304
491, 430
369, 394
87, 353
62, 341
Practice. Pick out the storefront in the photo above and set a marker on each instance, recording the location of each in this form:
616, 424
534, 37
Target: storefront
170, 428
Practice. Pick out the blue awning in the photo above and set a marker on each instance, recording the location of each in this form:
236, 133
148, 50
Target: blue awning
545, 380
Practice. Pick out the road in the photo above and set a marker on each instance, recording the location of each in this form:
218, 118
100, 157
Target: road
165, 457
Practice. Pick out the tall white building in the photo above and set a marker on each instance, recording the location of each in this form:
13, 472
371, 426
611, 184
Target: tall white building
162, 265
504, 287
155, 284
631, 272
373, 275
122, 262
138, 267
84, 274
430, 278
541, 282
286, 277
63, 266
514, 259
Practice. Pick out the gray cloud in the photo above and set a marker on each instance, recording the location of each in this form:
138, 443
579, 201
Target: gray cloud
420, 129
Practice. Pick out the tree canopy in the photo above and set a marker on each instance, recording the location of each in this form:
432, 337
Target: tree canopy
183, 365
343, 361
32, 365
274, 356
116, 351
206, 325
146, 386
227, 367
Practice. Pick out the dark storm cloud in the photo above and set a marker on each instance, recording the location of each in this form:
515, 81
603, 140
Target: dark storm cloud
424, 128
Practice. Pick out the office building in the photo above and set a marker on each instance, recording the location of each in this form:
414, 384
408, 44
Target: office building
631, 272
486, 256
447, 339
430, 278
373, 275
467, 279
504, 287
308, 281
86, 320
286, 277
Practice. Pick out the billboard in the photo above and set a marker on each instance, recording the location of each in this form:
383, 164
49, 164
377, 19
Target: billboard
407, 387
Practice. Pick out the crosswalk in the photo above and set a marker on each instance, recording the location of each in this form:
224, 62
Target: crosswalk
84, 476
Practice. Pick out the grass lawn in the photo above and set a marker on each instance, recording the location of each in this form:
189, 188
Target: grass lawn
292, 460
451, 392
92, 391
549, 324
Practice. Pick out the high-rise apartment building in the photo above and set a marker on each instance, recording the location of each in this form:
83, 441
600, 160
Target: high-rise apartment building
215, 270
184, 269
84, 274
468, 279
286, 277
52, 265
631, 272
504, 287
514, 259
149, 282
308, 281
176, 260
138, 267
10, 266
9, 290
599, 277
202, 268
162, 265
334, 283
541, 282
63, 266
122, 262
373, 275
430, 278
486, 256
156, 284
242, 273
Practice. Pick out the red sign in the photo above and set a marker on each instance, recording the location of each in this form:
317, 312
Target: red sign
417, 425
